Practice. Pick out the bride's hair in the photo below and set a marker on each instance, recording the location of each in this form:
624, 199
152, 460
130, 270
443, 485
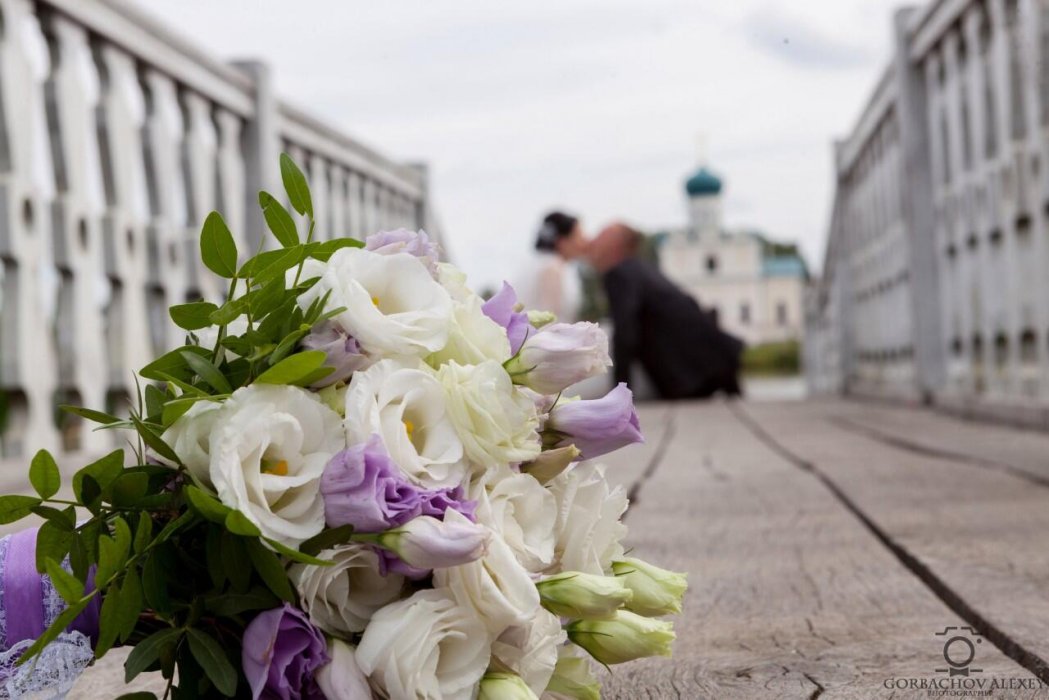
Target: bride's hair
556, 225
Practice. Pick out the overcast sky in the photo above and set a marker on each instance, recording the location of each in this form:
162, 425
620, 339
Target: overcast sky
595, 106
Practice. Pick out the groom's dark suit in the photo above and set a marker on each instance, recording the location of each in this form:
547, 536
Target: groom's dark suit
680, 346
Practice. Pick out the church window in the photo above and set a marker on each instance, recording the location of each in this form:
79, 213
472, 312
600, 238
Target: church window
712, 264
744, 313
781, 313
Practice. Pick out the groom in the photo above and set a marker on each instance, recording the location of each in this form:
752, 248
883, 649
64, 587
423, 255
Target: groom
680, 346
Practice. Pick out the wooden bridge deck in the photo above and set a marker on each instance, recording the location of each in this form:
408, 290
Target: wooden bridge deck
828, 542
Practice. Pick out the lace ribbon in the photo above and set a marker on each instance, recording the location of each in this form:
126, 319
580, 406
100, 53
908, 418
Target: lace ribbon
29, 604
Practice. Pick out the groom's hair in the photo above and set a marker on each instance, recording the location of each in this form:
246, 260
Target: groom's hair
556, 225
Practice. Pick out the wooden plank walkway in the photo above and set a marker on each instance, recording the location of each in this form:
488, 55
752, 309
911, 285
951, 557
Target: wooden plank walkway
827, 543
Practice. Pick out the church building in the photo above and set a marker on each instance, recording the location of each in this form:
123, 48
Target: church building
755, 285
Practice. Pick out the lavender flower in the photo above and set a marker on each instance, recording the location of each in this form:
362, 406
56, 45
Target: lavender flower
281, 654
501, 308
363, 487
401, 240
597, 426
560, 355
343, 352
429, 543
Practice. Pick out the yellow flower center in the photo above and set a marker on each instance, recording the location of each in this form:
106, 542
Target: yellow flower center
375, 300
409, 428
277, 467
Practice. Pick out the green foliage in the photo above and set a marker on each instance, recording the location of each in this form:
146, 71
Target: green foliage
773, 358
178, 572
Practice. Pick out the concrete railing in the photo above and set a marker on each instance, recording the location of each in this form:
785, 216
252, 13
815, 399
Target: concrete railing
117, 137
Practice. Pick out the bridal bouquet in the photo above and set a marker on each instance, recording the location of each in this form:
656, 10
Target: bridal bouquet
356, 479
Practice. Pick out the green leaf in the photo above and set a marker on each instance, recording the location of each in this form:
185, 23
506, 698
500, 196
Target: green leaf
238, 523
15, 507
278, 267
90, 493
218, 250
296, 186
296, 555
261, 261
279, 220
314, 376
293, 369
155, 399
230, 604
236, 564
208, 372
143, 533
108, 621
93, 416
155, 581
232, 309
155, 442
172, 365
270, 570
207, 505
324, 250
327, 539
131, 601
53, 541
128, 488
65, 583
103, 471
64, 519
212, 658
138, 695
113, 552
43, 474
147, 652
192, 316
57, 627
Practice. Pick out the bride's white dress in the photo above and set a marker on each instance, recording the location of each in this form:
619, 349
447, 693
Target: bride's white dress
549, 283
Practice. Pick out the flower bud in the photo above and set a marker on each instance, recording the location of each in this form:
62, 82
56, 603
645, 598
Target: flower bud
656, 591
401, 240
578, 595
597, 426
428, 543
560, 355
499, 685
550, 463
625, 637
538, 319
572, 679
343, 353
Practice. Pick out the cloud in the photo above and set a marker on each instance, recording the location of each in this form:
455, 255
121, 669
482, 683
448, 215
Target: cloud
791, 38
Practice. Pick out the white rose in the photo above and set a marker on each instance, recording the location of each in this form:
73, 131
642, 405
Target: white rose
393, 306
496, 423
588, 527
268, 450
496, 587
423, 647
341, 678
531, 650
518, 507
473, 337
341, 598
405, 404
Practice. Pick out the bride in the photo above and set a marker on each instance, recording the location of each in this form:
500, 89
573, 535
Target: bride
551, 279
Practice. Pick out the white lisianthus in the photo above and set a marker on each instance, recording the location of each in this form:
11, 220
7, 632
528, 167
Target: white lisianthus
656, 591
393, 305
531, 650
588, 528
622, 638
518, 507
268, 449
496, 424
341, 598
428, 543
454, 282
190, 438
496, 587
404, 403
341, 678
473, 337
425, 646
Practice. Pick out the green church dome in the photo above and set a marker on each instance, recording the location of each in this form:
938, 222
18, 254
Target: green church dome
703, 182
